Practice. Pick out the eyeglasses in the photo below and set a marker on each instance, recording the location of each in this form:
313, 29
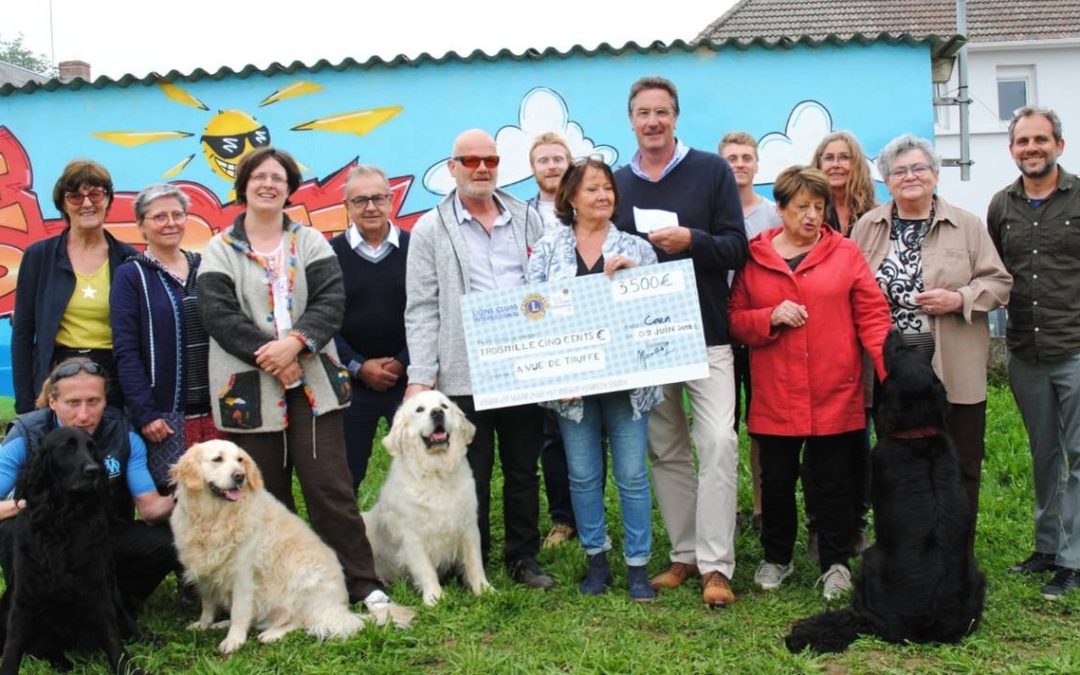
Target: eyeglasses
360, 201
95, 195
595, 157
163, 218
74, 368
232, 146
272, 177
472, 162
842, 158
643, 114
917, 170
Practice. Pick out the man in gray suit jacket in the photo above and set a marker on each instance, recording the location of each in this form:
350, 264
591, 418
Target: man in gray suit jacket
477, 239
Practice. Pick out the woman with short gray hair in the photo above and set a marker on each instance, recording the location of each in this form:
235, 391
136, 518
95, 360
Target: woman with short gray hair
941, 274
159, 341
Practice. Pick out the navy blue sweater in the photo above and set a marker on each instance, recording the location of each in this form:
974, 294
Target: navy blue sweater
702, 190
374, 324
148, 336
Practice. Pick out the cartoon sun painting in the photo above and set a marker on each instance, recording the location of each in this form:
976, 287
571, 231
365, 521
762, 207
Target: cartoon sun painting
232, 134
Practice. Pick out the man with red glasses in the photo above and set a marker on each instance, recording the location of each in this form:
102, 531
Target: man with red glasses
371, 342
477, 239
686, 202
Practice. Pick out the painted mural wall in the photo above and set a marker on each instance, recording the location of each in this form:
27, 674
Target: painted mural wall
404, 118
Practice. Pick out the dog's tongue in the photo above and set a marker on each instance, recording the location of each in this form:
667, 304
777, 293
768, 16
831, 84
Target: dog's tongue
233, 495
438, 436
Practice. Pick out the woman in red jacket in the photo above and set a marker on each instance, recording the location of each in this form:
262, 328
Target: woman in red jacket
806, 304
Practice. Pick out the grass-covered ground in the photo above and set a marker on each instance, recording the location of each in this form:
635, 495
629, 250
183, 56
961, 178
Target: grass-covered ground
514, 630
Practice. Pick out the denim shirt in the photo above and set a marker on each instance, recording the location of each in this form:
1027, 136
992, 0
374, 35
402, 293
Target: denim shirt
555, 257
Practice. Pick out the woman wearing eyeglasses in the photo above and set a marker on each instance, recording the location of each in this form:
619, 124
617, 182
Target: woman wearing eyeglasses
941, 274
62, 301
590, 244
840, 157
160, 344
272, 299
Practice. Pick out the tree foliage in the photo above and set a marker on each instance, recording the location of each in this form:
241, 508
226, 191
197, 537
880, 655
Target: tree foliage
15, 52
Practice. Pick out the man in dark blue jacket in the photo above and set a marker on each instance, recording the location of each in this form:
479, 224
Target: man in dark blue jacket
691, 210
371, 344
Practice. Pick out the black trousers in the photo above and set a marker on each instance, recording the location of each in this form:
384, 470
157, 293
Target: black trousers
556, 473
362, 421
827, 461
967, 424
519, 434
859, 467
144, 555
741, 355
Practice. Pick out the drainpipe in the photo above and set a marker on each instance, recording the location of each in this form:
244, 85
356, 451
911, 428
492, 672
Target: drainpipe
962, 98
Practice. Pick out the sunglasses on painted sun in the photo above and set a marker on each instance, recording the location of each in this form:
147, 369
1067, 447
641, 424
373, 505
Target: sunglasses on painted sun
74, 368
95, 195
471, 162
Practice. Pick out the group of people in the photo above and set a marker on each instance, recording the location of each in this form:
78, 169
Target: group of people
296, 348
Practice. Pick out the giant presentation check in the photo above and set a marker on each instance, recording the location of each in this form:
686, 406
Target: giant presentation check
585, 335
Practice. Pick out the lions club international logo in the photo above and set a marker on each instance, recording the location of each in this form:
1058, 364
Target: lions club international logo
534, 306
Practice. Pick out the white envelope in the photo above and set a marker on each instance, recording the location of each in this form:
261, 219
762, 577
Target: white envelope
647, 220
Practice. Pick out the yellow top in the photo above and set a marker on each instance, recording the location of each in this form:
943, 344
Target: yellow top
85, 324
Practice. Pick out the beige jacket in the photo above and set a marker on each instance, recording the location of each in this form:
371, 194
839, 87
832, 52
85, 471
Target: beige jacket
958, 255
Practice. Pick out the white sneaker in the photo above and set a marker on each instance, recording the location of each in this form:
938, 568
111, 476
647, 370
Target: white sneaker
770, 575
836, 582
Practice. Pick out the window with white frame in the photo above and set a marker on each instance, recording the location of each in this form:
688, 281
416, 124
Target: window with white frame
1015, 89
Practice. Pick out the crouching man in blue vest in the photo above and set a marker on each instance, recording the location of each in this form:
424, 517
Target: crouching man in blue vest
74, 396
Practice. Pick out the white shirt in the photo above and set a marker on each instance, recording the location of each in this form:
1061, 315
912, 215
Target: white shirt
366, 250
681, 150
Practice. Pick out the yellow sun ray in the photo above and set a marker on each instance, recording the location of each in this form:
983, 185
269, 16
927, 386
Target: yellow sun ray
300, 88
129, 139
359, 122
179, 167
179, 95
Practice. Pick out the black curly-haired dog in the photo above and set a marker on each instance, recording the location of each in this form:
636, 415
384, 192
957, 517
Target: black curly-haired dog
64, 594
919, 582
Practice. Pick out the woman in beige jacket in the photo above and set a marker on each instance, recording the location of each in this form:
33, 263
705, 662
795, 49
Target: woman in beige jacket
941, 274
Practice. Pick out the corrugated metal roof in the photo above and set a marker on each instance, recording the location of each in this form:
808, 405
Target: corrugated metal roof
936, 42
987, 20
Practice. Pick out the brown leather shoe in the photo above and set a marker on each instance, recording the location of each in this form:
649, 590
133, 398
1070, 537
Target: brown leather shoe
673, 576
716, 590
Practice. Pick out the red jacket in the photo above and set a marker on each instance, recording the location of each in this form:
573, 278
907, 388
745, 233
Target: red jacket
808, 380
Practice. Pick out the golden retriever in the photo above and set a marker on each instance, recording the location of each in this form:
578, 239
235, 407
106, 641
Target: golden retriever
248, 553
424, 522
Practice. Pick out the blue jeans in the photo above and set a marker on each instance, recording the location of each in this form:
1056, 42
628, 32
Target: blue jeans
584, 455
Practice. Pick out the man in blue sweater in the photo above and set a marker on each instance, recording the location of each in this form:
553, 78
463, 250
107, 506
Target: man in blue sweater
698, 202
371, 343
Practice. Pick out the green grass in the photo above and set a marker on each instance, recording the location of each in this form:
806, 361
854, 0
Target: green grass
519, 631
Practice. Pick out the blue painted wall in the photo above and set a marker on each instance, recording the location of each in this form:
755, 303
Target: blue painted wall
876, 90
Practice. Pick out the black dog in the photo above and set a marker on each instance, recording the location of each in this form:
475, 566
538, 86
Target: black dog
63, 593
919, 582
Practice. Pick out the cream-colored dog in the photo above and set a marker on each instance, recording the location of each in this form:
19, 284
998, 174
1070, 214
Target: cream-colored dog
248, 553
424, 522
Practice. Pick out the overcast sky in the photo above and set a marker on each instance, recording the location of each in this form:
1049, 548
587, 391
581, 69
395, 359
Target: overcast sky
117, 37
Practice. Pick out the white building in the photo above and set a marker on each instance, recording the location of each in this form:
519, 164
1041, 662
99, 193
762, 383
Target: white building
1019, 52
1003, 76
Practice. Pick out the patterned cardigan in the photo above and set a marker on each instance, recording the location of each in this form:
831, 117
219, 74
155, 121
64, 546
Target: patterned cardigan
555, 257
237, 309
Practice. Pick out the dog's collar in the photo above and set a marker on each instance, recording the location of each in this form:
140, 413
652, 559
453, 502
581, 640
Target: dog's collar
918, 432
